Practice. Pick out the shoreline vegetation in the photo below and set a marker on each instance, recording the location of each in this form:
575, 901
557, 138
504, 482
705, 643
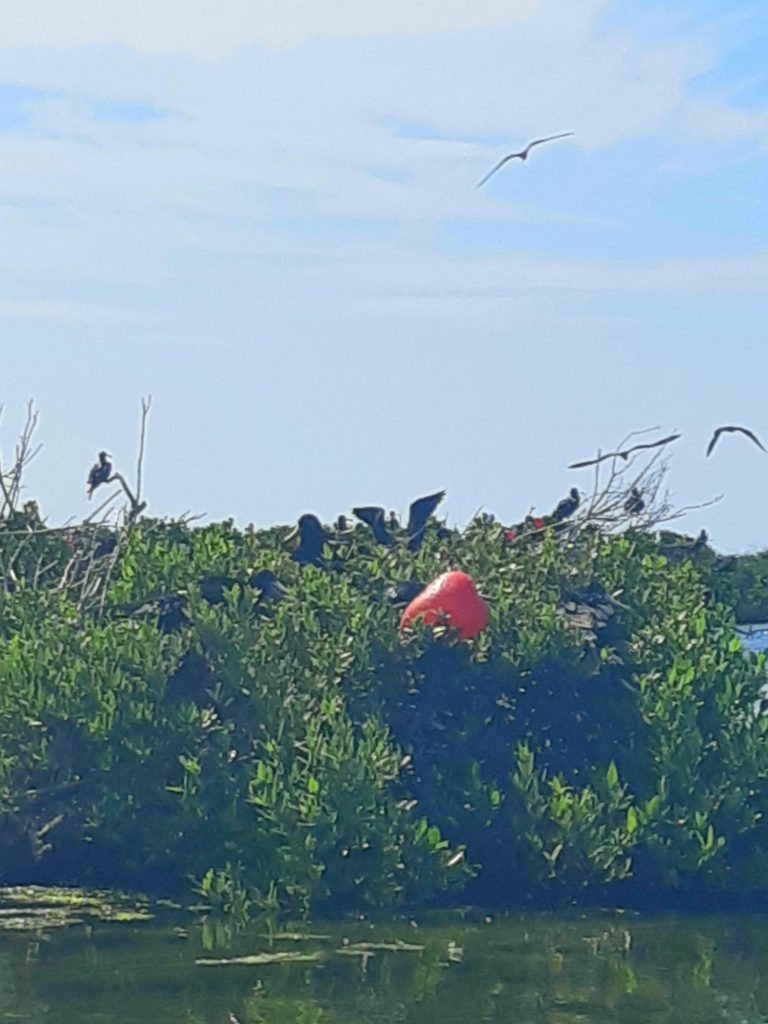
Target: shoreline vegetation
190, 711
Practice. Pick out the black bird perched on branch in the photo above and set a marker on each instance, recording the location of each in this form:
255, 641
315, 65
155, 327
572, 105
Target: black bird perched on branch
100, 473
635, 503
312, 540
566, 507
730, 430
625, 453
522, 155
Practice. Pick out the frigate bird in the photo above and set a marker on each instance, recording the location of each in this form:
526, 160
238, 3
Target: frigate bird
635, 502
212, 588
565, 508
418, 515
401, 594
522, 155
312, 540
373, 516
626, 452
731, 430
100, 473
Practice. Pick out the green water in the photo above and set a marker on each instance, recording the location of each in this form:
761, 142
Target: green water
521, 969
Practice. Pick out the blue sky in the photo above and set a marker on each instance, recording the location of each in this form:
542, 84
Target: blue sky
266, 217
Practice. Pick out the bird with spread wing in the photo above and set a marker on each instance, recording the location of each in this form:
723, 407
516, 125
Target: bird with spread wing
730, 430
522, 155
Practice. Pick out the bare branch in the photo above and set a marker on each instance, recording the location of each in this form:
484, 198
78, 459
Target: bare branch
146, 404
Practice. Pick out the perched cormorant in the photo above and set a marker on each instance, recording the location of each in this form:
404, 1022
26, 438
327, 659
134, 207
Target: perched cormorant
635, 503
567, 506
730, 430
100, 472
312, 540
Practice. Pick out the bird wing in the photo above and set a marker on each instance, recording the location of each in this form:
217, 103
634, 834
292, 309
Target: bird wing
499, 165
549, 138
373, 516
369, 514
419, 513
750, 435
593, 462
731, 430
714, 440
651, 444
627, 452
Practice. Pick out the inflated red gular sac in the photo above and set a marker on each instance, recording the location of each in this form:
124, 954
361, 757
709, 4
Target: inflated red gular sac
452, 596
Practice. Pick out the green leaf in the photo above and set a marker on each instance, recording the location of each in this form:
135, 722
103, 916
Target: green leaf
631, 820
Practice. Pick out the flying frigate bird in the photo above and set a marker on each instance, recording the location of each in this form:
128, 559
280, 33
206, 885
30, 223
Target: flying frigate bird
625, 453
522, 155
731, 430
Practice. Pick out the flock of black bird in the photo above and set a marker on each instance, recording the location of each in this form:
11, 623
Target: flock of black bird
315, 541
313, 536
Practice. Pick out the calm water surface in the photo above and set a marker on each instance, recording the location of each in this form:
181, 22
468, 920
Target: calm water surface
538, 969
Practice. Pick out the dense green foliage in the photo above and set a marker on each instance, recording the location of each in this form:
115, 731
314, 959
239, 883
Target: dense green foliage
301, 753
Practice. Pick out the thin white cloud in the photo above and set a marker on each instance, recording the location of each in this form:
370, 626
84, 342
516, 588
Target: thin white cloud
213, 28
279, 180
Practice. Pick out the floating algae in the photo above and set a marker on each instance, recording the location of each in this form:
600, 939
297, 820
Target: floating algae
263, 958
372, 947
35, 908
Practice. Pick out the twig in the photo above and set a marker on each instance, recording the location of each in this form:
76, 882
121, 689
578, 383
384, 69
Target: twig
146, 404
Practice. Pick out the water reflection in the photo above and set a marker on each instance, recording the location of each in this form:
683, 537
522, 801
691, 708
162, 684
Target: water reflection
533, 969
754, 637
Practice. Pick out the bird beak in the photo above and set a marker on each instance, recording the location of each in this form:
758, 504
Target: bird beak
292, 534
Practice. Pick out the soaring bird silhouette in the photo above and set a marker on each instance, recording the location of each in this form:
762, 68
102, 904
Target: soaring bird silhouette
626, 452
418, 515
731, 430
522, 155
100, 473
565, 508
635, 502
312, 540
